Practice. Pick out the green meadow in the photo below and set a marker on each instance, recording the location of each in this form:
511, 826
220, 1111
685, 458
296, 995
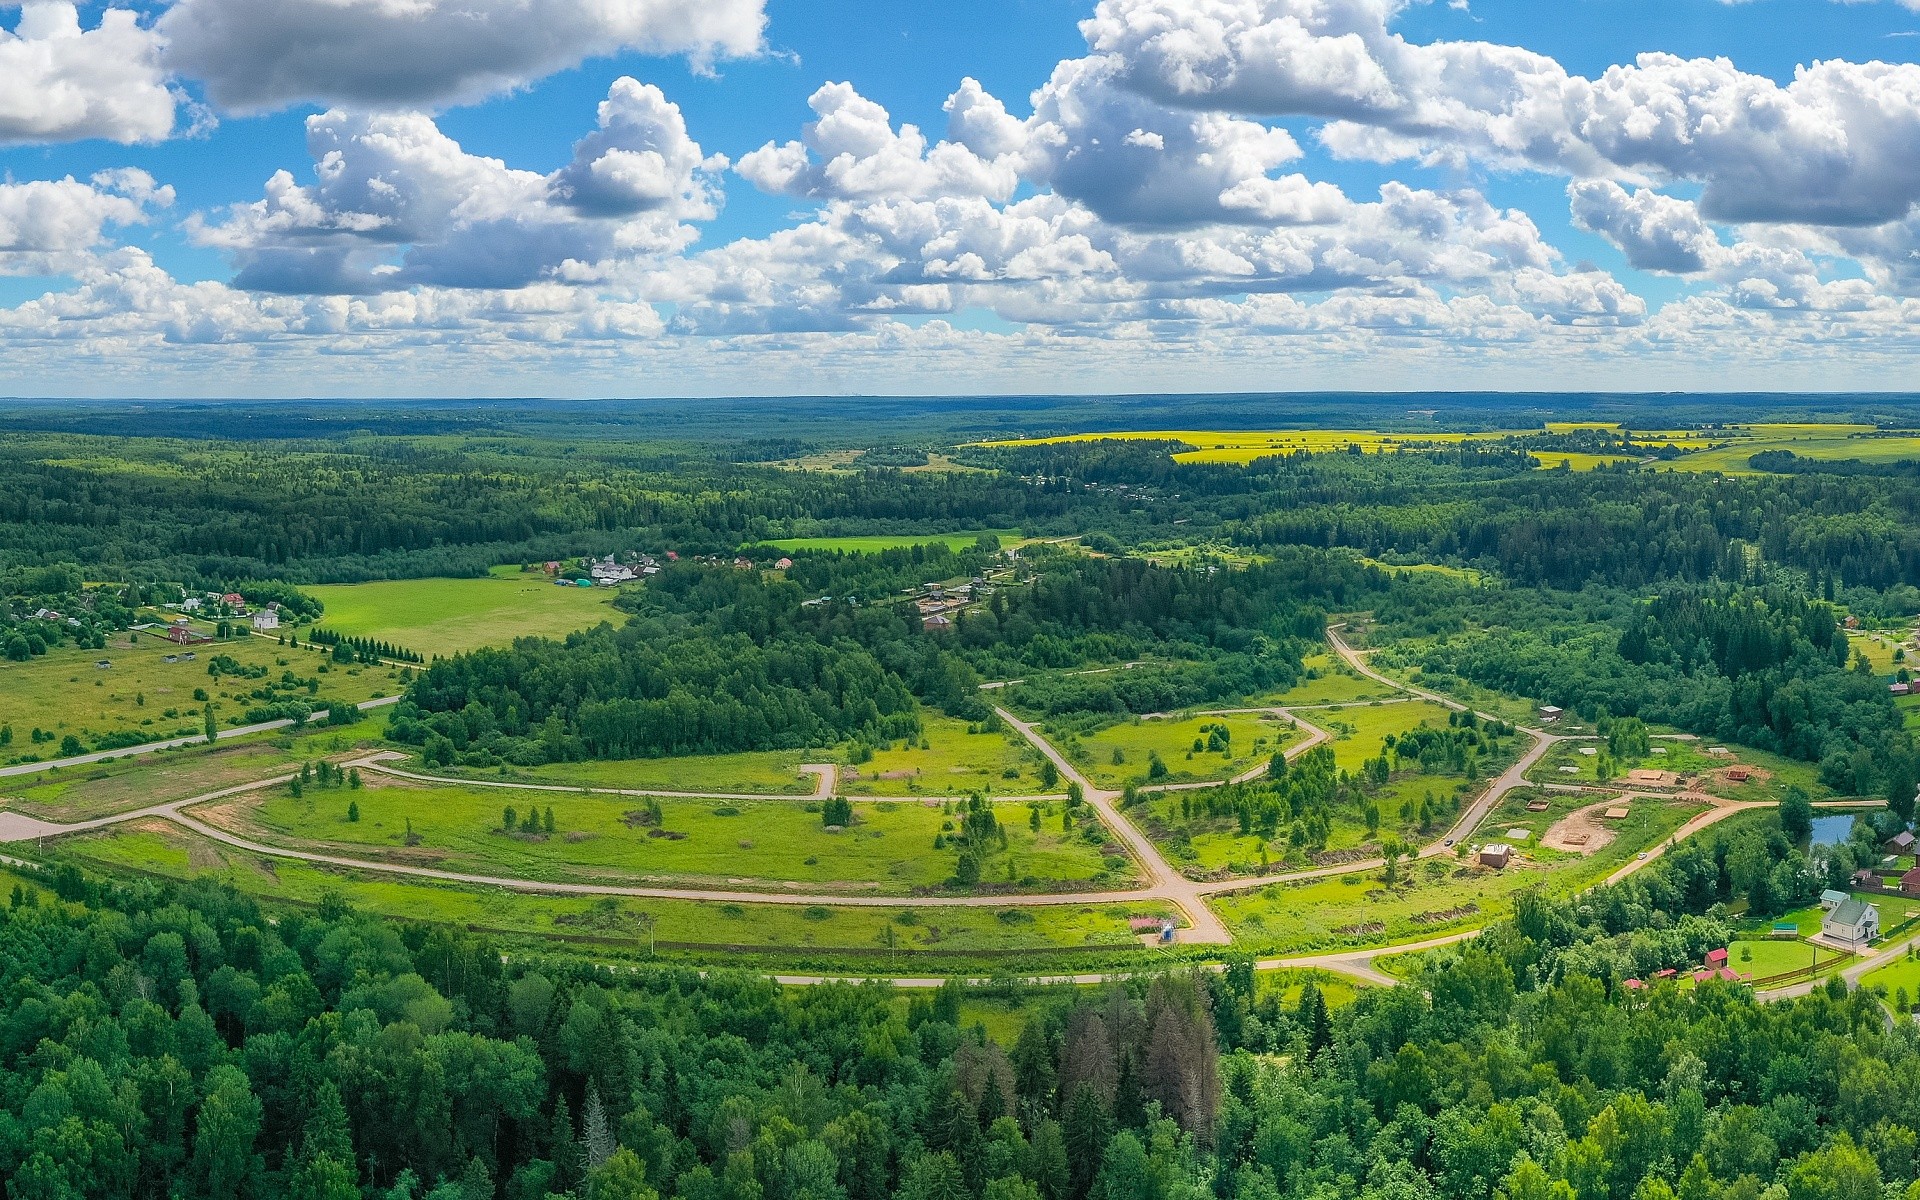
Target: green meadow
956, 759
874, 543
1122, 754
769, 772
447, 616
138, 696
158, 848
888, 849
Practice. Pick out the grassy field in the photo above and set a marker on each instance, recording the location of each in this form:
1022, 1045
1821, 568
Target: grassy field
1253, 739
1772, 773
874, 543
80, 793
1551, 459
64, 693
1436, 895
1898, 975
1730, 452
1326, 679
1359, 732
166, 850
888, 849
446, 616
954, 762
768, 772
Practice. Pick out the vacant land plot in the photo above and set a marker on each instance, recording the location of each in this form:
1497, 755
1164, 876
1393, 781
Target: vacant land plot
80, 793
446, 616
772, 772
129, 693
1123, 754
951, 758
1902, 975
1326, 679
169, 851
1359, 732
1435, 895
874, 543
889, 847
1767, 775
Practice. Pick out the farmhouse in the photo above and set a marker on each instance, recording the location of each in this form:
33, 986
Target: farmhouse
1496, 855
1853, 923
1549, 714
937, 623
1900, 689
1900, 843
181, 635
1717, 958
233, 600
266, 620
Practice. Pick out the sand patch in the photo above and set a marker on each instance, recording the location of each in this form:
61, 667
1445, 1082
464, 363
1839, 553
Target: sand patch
1581, 831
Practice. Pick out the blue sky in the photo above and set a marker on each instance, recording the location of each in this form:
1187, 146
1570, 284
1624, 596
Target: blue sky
289, 197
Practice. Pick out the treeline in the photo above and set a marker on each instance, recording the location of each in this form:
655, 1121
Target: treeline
359, 649
1766, 667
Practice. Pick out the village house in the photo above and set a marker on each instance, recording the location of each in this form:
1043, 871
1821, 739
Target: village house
1853, 924
1900, 843
1549, 714
182, 635
1910, 882
1900, 689
267, 619
937, 623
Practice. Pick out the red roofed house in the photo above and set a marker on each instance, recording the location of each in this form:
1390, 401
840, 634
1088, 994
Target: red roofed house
1667, 973
1634, 984
1717, 958
1910, 883
233, 598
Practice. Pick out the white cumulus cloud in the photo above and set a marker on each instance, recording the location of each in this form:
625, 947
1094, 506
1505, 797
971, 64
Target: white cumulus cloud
254, 55
62, 82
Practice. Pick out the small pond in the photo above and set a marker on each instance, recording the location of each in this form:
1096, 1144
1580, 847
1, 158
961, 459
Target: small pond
1831, 831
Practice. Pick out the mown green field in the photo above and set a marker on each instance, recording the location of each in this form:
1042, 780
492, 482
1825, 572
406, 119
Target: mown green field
953, 762
1437, 895
874, 543
164, 849
65, 693
1122, 754
766, 772
447, 616
889, 848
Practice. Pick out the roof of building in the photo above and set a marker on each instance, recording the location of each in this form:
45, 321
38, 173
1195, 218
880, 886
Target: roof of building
1851, 914
1833, 896
1717, 956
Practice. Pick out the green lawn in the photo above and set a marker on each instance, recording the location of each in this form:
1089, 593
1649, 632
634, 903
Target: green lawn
958, 759
874, 543
1253, 739
889, 849
1901, 973
80, 793
169, 851
141, 695
771, 772
446, 616
1437, 896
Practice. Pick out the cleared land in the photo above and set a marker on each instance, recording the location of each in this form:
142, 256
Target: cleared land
1123, 754
613, 839
874, 543
1435, 896
447, 616
1768, 775
140, 697
1326, 679
957, 759
773, 772
162, 849
81, 793
1359, 732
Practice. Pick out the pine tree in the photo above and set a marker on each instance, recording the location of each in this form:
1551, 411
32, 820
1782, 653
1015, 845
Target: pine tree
596, 1132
